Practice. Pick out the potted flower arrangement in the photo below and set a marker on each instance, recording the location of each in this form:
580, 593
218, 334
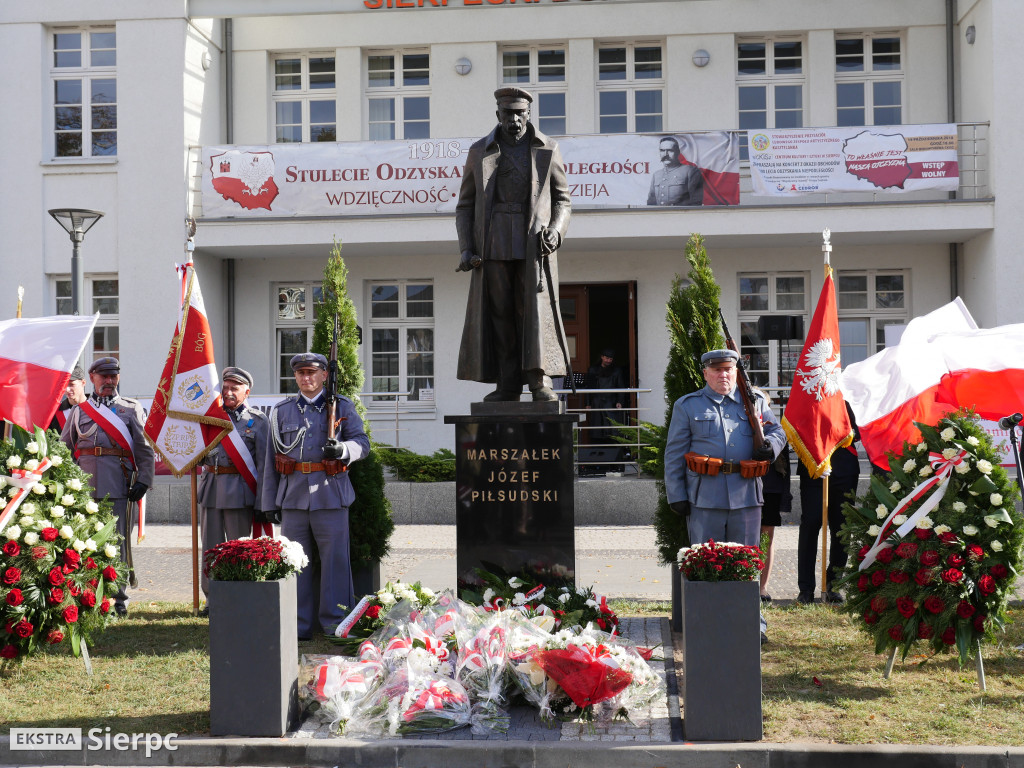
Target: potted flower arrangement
254, 662
935, 545
59, 556
721, 641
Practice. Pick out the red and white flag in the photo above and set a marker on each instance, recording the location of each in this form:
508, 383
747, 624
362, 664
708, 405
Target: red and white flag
187, 418
815, 419
37, 355
718, 157
891, 390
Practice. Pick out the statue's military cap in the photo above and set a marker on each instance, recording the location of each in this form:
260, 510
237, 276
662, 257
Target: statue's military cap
309, 360
513, 98
231, 373
105, 365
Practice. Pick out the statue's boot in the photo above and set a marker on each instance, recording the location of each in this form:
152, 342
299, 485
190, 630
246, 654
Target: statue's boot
540, 386
510, 386
502, 395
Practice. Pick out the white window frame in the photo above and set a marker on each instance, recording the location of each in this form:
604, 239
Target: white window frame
105, 322
869, 76
776, 349
873, 316
553, 125
771, 81
402, 323
306, 96
397, 94
85, 73
631, 85
306, 322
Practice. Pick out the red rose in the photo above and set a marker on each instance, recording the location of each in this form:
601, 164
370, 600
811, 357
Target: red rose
999, 570
906, 606
56, 577
975, 552
979, 622
11, 576
49, 534
896, 632
949, 636
923, 533
986, 585
56, 596
373, 611
863, 552
965, 610
11, 548
878, 578
72, 559
91, 564
863, 582
54, 636
105, 605
8, 652
39, 552
899, 577
870, 617
94, 583
923, 577
88, 599
74, 589
110, 574
952, 575
948, 537
934, 604
956, 560
879, 604
885, 555
925, 631
929, 557
23, 628
906, 549
71, 614
14, 597
600, 623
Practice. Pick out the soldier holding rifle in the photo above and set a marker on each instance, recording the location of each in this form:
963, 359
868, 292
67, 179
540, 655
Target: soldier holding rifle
315, 436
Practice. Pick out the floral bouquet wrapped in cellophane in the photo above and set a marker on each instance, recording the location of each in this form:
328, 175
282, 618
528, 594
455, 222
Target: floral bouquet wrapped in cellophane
481, 668
332, 687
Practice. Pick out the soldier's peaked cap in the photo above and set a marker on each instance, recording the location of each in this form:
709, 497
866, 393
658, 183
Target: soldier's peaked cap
308, 360
716, 356
231, 373
105, 365
77, 374
512, 97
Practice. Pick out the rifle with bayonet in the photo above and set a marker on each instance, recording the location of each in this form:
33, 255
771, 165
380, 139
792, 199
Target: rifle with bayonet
334, 449
746, 391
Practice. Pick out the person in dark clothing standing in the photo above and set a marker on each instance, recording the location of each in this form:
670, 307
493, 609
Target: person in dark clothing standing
604, 375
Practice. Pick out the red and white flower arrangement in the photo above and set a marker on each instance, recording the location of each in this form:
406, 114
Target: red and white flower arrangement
720, 561
260, 559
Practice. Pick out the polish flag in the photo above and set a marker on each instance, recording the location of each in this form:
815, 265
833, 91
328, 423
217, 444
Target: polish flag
891, 390
37, 355
187, 418
718, 157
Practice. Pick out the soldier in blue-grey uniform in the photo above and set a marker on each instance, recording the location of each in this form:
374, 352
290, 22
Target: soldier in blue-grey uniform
231, 471
105, 435
313, 491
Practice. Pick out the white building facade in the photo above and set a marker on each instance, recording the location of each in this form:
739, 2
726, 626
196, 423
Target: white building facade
121, 98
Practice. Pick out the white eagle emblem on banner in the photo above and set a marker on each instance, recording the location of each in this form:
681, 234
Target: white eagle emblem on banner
820, 376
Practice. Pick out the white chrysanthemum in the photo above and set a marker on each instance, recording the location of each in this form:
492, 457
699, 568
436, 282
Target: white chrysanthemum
56, 511
894, 486
962, 468
518, 598
32, 465
32, 447
110, 551
488, 595
972, 440
38, 489
13, 462
31, 538
515, 582
427, 593
882, 511
949, 453
925, 470
56, 460
984, 466
899, 519
90, 545
66, 532
941, 529
12, 532
293, 554
970, 530
959, 507
925, 522
67, 500
996, 499
922, 447
997, 545
909, 465
92, 507
992, 522
947, 434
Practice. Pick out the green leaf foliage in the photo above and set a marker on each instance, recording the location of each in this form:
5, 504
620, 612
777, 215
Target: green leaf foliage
415, 467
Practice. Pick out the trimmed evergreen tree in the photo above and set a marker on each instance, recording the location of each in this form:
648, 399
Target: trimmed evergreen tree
369, 518
694, 328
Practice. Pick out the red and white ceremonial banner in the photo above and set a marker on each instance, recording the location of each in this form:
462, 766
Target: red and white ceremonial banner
815, 419
187, 418
37, 355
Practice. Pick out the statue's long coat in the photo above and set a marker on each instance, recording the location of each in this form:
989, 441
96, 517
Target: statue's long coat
549, 206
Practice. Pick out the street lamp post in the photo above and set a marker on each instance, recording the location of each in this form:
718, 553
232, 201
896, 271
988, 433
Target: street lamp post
76, 222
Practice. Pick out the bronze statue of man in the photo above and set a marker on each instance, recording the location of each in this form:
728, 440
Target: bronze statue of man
511, 217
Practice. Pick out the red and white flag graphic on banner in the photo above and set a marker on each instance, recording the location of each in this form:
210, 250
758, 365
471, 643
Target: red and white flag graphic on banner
717, 156
815, 419
187, 418
37, 355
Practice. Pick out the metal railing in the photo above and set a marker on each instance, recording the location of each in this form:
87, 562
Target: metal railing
601, 455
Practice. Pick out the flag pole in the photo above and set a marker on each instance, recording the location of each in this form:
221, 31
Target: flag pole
826, 249
195, 546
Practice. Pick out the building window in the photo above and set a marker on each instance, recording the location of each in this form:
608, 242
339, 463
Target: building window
297, 307
868, 301
770, 362
540, 69
398, 95
100, 295
630, 85
305, 107
84, 82
770, 82
402, 339
869, 80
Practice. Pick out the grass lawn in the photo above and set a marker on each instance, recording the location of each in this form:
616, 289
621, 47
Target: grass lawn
821, 682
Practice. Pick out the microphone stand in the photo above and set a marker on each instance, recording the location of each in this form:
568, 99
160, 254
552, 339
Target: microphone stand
1016, 453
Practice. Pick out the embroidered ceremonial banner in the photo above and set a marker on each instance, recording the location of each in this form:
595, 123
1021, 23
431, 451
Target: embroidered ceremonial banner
187, 418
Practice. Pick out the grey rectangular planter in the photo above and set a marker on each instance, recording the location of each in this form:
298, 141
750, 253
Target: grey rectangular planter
721, 660
254, 658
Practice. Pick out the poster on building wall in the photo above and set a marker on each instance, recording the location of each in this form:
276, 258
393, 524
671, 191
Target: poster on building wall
379, 177
878, 158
